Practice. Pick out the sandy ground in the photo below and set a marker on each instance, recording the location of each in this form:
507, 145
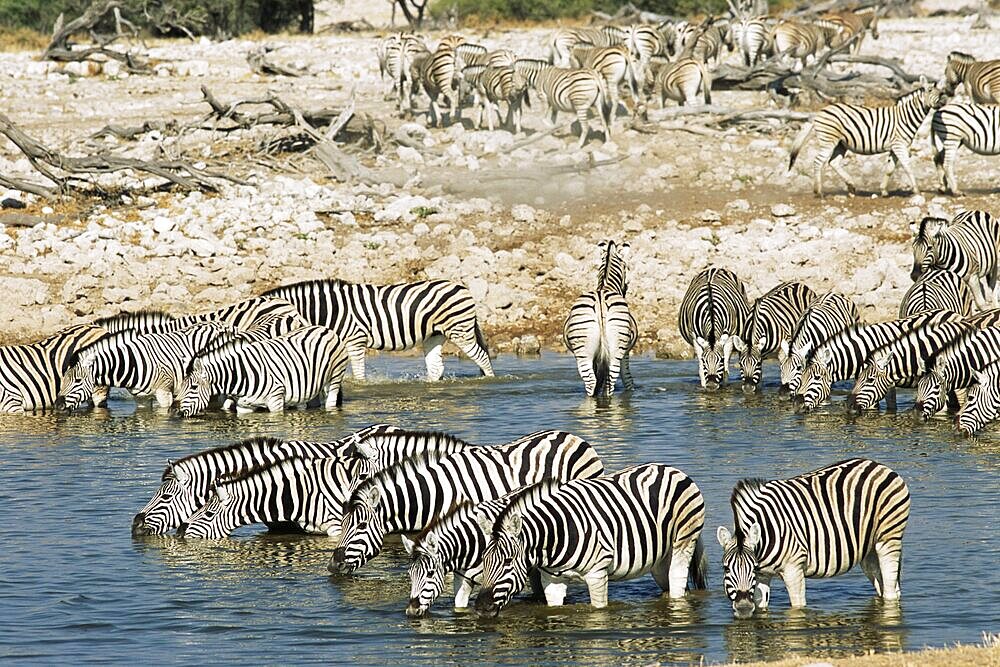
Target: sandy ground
963, 656
464, 206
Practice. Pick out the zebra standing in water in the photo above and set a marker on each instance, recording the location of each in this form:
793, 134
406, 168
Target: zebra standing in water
981, 77
31, 374
969, 246
407, 496
937, 289
393, 317
771, 321
600, 331
828, 314
643, 519
983, 403
954, 125
185, 483
953, 368
567, 89
713, 314
868, 130
820, 524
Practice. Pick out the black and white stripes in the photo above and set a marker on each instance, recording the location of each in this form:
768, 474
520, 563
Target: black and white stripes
712, 315
954, 125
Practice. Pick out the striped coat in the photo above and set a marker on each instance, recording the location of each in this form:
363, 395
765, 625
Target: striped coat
981, 77
573, 90
954, 125
969, 246
983, 403
937, 289
827, 315
771, 321
713, 314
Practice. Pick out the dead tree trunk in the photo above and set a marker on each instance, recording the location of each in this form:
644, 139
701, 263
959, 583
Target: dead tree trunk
59, 48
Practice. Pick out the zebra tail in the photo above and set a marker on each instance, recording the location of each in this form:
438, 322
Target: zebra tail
800, 141
698, 569
602, 366
706, 83
481, 341
604, 99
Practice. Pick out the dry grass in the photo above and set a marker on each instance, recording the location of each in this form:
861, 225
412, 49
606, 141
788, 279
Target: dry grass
22, 39
960, 656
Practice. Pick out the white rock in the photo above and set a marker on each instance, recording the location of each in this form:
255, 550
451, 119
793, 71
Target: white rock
782, 210
163, 224
738, 205
522, 213
708, 215
420, 229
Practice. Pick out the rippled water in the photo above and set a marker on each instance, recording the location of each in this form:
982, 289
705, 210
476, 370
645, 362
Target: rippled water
75, 587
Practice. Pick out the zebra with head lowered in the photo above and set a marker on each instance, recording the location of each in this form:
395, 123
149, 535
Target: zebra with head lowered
953, 368
841, 356
310, 495
185, 483
981, 77
643, 519
393, 317
713, 315
681, 81
828, 314
772, 320
570, 89
969, 246
407, 496
937, 289
600, 331
983, 403
900, 363
955, 125
289, 370
820, 524
31, 374
868, 130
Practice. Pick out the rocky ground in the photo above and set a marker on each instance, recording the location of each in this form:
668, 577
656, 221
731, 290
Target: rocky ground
511, 224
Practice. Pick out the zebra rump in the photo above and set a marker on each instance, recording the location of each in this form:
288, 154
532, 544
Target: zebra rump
712, 315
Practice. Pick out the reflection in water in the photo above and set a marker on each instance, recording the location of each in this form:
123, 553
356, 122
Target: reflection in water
263, 555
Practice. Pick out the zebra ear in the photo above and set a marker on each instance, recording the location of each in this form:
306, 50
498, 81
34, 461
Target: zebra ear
753, 536
881, 360
783, 349
761, 342
485, 524
512, 524
222, 493
408, 544
979, 377
370, 496
624, 250
365, 448
923, 82
739, 345
724, 536
824, 355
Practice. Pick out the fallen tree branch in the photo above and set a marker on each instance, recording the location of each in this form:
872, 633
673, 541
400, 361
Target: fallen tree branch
59, 49
893, 65
260, 64
537, 136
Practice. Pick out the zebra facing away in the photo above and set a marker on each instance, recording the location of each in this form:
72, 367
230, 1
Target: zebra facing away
969, 246
31, 375
643, 519
820, 524
828, 314
713, 314
573, 90
937, 289
600, 331
185, 483
289, 370
868, 130
393, 317
772, 320
955, 125
407, 496
981, 77
681, 81
983, 403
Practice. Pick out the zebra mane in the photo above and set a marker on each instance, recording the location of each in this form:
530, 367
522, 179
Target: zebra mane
246, 443
217, 351
443, 521
521, 497
101, 344
133, 318
745, 487
927, 219
961, 57
407, 468
319, 282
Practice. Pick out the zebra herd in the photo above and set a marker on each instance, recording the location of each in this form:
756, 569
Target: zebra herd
945, 341
289, 346
539, 510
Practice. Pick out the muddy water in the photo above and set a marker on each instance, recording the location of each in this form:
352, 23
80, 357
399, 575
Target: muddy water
75, 587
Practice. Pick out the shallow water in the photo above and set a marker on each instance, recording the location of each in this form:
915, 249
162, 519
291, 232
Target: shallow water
75, 587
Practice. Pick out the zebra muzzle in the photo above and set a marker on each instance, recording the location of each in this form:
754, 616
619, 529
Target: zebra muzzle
853, 408
139, 527
414, 610
750, 387
485, 606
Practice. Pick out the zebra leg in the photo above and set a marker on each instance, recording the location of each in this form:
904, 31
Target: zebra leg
627, 378
870, 566
333, 397
762, 596
432, 357
893, 164
242, 407
680, 567
948, 179
164, 397
463, 591
902, 155
467, 342
585, 366
356, 353
555, 590
597, 584
835, 159
890, 400
581, 117
276, 400
795, 584
952, 403
890, 555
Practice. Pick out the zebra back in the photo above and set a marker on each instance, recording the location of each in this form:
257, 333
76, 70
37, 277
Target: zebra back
384, 449
143, 321
612, 275
715, 305
937, 289
973, 125
983, 402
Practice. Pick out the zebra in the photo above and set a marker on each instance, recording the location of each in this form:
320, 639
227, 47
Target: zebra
400, 65
186, 482
983, 403
752, 36
141, 321
800, 40
969, 246
644, 42
954, 125
144, 364
772, 320
288, 370
560, 45
952, 368
407, 496
393, 317
492, 85
437, 74
568, 89
937, 289
868, 130
615, 64
643, 519
712, 315
708, 45
841, 356
31, 374
828, 314
264, 315
681, 80
900, 362
600, 330
981, 77
819, 524
853, 24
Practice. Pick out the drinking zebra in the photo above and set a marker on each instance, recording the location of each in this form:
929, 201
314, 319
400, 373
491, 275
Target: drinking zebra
492, 85
141, 321
31, 374
868, 130
393, 317
573, 90
600, 331
983, 403
681, 81
841, 356
820, 524
615, 64
900, 363
713, 314
407, 496
952, 368
937, 289
828, 314
771, 321
643, 519
981, 77
185, 483
954, 125
968, 246
289, 370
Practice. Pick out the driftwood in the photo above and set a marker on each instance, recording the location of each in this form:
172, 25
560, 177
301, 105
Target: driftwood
60, 50
260, 64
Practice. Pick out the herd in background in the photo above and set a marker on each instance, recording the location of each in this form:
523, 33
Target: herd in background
946, 339
589, 69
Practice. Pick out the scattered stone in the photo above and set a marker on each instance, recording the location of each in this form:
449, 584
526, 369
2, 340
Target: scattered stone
10, 202
527, 345
708, 215
782, 210
523, 213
